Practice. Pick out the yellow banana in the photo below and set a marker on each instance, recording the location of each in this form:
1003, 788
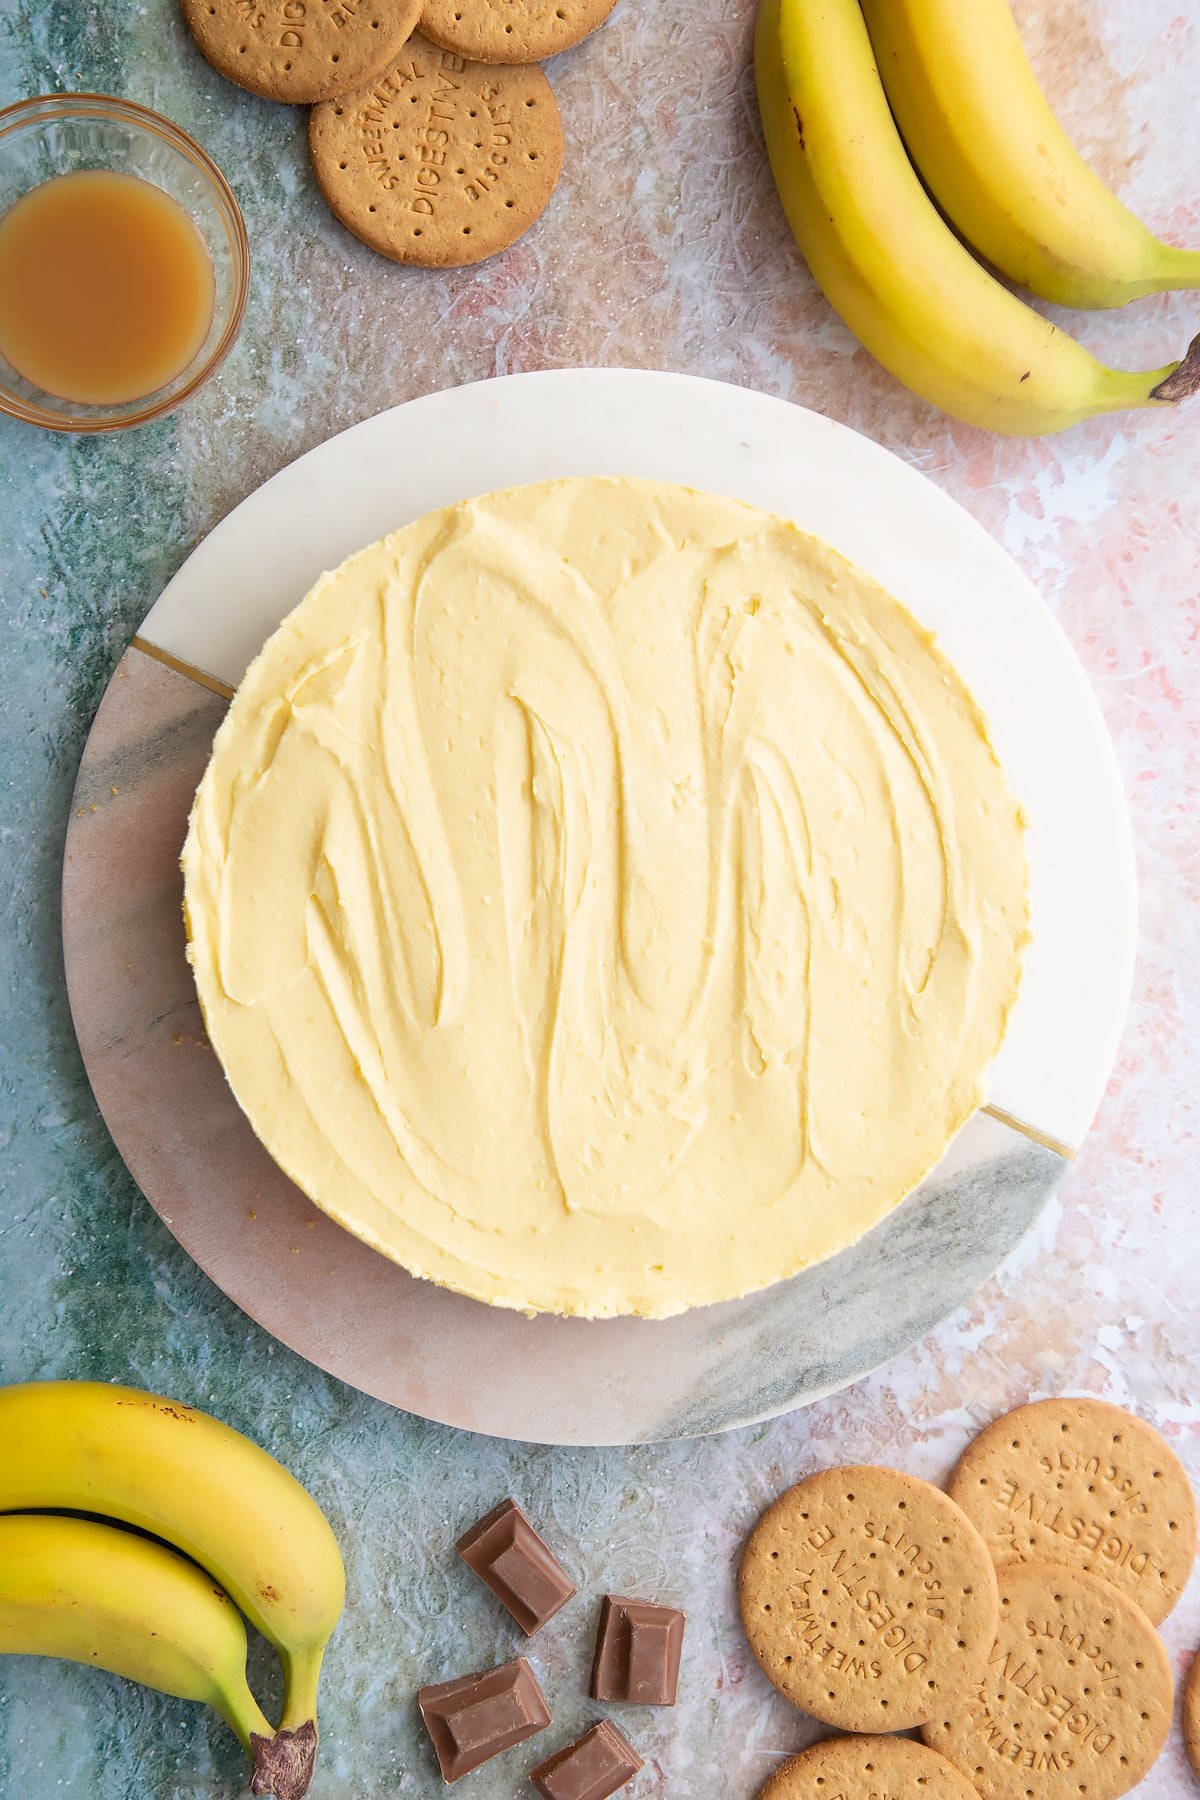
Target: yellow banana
233, 1509
1000, 165
97, 1595
887, 261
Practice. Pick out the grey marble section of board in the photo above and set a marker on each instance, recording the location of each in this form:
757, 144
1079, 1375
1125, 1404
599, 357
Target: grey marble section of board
835, 1322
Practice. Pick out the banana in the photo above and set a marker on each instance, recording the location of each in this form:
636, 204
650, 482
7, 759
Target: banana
886, 260
1000, 165
154, 1463
97, 1595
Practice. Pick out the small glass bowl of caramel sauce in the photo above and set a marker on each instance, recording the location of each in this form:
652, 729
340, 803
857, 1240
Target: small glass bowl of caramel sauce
124, 264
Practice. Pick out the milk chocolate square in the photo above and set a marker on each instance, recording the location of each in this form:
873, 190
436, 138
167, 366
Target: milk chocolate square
506, 1552
593, 1767
475, 1717
638, 1651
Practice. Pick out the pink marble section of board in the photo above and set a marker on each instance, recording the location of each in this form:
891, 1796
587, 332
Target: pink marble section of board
319, 1290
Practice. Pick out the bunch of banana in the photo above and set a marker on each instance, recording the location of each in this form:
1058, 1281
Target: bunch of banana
883, 254
999, 164
94, 1593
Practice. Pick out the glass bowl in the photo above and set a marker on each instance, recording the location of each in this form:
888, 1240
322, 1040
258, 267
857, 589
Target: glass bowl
57, 134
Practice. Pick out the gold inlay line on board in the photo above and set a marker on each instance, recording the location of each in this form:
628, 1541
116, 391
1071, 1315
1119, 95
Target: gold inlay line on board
183, 668
1030, 1131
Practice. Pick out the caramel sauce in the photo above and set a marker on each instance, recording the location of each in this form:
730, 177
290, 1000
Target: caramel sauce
106, 287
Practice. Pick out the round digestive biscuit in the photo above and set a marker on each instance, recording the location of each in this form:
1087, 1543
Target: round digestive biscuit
866, 1768
301, 51
1191, 1715
439, 162
512, 31
868, 1598
1075, 1698
1087, 1484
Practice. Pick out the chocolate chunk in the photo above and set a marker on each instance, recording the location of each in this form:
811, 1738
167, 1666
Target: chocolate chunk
476, 1717
591, 1768
506, 1552
638, 1649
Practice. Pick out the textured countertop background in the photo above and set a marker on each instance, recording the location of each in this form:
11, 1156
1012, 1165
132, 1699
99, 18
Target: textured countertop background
664, 247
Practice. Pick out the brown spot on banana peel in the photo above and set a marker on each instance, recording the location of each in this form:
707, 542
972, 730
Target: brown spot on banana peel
799, 125
283, 1765
1184, 380
183, 1415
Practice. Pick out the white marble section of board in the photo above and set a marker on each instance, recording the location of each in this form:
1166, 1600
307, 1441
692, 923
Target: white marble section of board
253, 568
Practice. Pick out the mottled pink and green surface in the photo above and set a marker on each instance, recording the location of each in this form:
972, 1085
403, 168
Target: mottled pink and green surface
664, 247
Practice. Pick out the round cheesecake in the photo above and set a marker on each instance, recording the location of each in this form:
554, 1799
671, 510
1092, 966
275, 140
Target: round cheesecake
604, 898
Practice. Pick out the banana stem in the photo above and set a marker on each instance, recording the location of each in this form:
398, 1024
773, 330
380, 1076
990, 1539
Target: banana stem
301, 1673
282, 1760
1183, 380
244, 1717
1180, 270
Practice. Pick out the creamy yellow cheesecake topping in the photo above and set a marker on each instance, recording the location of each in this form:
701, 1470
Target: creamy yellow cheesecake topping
604, 898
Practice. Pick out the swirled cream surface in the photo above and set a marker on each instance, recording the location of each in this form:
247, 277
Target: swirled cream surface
604, 898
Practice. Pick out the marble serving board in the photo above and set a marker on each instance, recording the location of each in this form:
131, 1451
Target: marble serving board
345, 1307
